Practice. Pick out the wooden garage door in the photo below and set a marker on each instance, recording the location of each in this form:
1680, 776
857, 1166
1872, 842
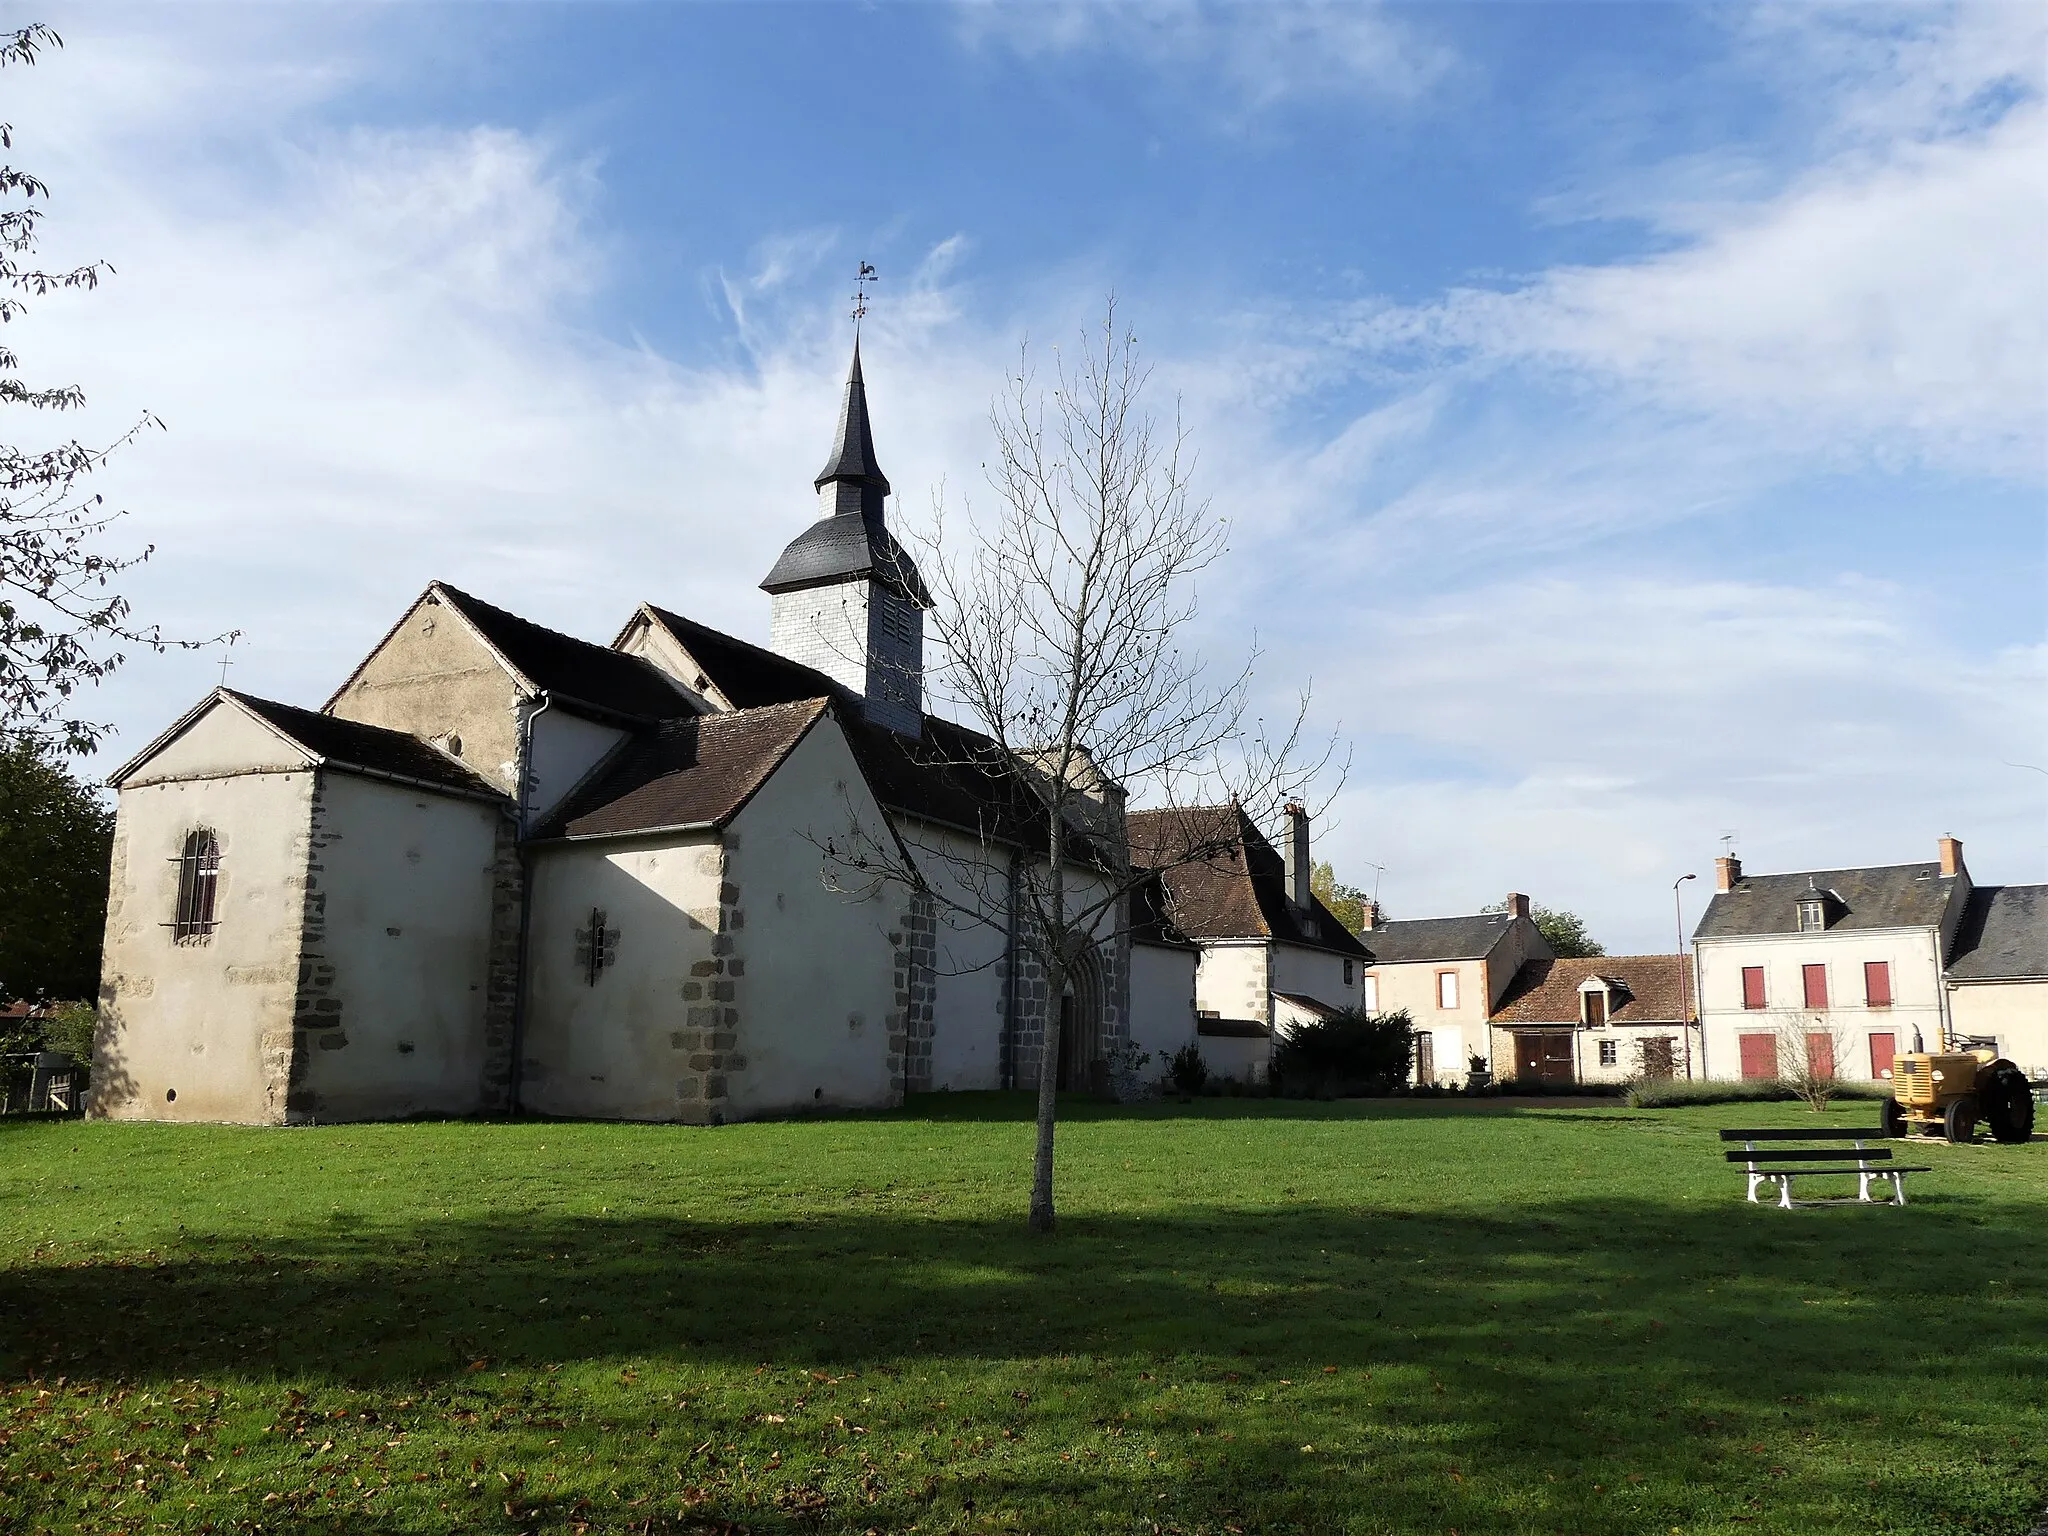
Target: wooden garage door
1545, 1056
1760, 1056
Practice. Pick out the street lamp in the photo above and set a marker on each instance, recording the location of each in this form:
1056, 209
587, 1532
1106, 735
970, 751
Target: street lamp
1685, 1015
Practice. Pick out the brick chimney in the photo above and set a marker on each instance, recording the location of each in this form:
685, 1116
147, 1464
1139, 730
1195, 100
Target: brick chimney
1298, 867
1951, 856
1371, 915
1518, 904
1727, 873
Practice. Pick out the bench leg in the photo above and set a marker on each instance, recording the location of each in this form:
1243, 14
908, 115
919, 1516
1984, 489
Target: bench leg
1898, 1189
1755, 1179
1784, 1193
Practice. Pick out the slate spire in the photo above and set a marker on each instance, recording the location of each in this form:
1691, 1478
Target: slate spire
853, 451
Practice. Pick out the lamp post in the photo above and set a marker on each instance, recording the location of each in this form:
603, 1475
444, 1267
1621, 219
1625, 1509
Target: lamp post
1685, 1012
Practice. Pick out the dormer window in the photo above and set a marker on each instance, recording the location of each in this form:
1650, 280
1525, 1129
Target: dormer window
1813, 913
1593, 1009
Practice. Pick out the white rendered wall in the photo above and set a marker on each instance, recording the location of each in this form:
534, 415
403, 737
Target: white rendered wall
967, 1013
406, 878
1916, 983
1316, 973
819, 981
1162, 1003
1234, 981
2014, 1013
211, 1021
565, 747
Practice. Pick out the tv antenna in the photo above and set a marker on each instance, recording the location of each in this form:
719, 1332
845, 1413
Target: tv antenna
860, 294
1728, 840
227, 657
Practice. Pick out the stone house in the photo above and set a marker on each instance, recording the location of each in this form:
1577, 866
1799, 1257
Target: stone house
1997, 979
1850, 960
505, 867
1271, 955
1603, 1019
1450, 974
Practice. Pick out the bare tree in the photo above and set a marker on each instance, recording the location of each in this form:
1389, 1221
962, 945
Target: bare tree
61, 620
1060, 621
1809, 1055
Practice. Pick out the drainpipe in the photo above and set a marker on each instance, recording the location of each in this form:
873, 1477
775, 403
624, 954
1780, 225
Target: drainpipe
520, 828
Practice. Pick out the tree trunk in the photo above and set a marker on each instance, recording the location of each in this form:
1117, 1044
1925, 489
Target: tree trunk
1055, 948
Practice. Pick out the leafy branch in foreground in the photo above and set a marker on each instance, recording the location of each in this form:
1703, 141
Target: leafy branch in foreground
62, 620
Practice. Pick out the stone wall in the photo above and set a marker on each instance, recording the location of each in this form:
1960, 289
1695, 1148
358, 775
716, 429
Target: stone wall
915, 943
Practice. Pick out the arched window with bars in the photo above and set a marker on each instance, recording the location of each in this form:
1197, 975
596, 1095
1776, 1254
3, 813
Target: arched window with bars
198, 884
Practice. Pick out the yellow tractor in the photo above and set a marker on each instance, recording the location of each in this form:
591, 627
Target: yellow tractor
1949, 1092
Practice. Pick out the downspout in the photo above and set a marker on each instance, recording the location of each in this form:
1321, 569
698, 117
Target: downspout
520, 829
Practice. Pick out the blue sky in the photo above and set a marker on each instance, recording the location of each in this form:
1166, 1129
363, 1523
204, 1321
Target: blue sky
1631, 417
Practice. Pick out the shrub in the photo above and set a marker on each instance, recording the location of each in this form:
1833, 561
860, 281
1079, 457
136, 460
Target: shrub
1668, 1092
1346, 1055
1185, 1069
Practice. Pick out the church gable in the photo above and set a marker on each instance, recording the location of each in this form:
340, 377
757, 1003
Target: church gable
217, 738
434, 676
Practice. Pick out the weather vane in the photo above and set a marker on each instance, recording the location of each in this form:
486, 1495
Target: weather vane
860, 294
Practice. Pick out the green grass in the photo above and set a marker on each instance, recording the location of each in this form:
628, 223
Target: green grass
1255, 1317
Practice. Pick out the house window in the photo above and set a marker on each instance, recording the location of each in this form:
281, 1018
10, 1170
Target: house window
1447, 989
1593, 1010
1610, 1053
597, 946
1348, 973
1877, 983
1753, 986
1813, 915
1814, 978
198, 884
1759, 1056
1372, 994
1425, 1058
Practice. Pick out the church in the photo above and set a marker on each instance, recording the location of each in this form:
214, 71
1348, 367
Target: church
504, 869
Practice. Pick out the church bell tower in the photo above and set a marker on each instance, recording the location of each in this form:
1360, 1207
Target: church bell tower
847, 599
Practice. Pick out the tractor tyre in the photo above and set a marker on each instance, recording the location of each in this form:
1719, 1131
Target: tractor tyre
1891, 1121
2009, 1105
1960, 1122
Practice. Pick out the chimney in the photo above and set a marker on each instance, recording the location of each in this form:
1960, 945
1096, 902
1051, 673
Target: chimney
1951, 856
1518, 904
1370, 914
1727, 873
1297, 855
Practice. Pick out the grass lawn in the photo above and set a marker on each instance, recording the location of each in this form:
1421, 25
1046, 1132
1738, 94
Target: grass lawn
1255, 1317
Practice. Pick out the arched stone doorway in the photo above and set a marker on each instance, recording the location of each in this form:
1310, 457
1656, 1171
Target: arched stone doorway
1083, 1068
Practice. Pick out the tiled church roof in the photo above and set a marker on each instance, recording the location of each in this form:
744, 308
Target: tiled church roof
577, 671
686, 773
350, 743
1234, 883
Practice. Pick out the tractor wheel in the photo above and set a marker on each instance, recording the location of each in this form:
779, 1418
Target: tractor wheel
1960, 1122
2009, 1106
1891, 1121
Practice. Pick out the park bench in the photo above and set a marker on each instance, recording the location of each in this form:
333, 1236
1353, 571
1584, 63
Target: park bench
1774, 1165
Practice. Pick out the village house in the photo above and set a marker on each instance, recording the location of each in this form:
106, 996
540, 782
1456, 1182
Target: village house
1846, 964
1997, 980
1449, 974
1272, 956
505, 868
1603, 1019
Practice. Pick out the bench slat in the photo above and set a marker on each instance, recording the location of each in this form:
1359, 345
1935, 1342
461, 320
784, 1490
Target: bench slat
1781, 1133
1869, 1155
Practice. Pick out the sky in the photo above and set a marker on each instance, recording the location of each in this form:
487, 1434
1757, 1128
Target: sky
1632, 420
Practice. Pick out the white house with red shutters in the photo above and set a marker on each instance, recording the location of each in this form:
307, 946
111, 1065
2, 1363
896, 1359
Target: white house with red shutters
1847, 964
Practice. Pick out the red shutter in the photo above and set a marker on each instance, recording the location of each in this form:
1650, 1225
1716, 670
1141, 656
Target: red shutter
1816, 979
1759, 1056
1753, 986
1882, 1049
1820, 1055
1877, 983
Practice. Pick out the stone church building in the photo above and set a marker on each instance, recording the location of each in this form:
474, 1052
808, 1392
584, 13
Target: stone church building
505, 868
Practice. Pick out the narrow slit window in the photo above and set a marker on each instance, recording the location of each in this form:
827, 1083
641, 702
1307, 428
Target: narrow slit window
597, 946
198, 885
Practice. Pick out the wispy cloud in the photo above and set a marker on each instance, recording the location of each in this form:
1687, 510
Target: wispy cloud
1246, 56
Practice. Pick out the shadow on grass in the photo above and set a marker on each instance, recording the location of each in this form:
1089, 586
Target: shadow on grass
1528, 1340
